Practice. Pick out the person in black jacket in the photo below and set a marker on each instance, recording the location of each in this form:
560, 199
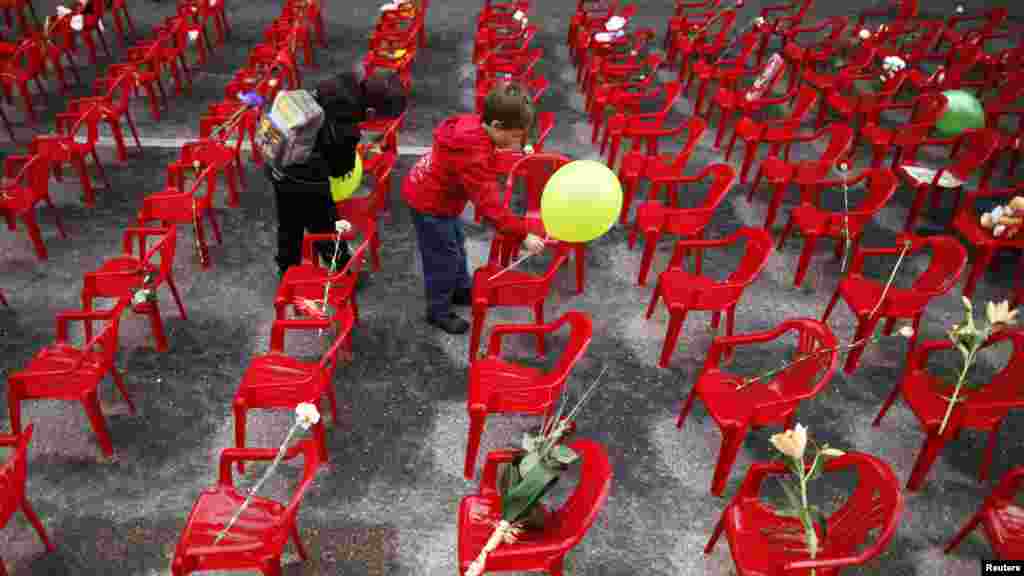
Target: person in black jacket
302, 192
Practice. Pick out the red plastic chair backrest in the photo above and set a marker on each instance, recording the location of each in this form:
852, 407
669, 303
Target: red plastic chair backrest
723, 177
759, 246
948, 258
581, 331
580, 511
975, 148
533, 171
726, 21
876, 504
13, 473
1005, 386
881, 185
35, 175
165, 247
1008, 488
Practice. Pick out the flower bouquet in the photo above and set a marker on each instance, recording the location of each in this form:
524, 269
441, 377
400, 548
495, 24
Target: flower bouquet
525, 481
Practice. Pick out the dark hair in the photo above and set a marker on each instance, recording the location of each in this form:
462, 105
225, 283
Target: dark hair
510, 104
384, 94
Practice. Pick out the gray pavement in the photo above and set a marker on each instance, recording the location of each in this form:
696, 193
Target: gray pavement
387, 502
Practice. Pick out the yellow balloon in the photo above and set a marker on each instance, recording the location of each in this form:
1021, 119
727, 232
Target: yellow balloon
581, 201
343, 188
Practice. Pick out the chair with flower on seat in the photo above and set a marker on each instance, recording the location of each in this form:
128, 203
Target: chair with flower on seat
696, 35
624, 97
258, 538
639, 163
684, 292
564, 528
305, 282
792, 16
983, 409
12, 486
814, 222
762, 541
985, 245
738, 404
971, 150
628, 123
807, 174
655, 219
1001, 518
721, 70
140, 266
925, 111
498, 386
862, 294
63, 371
275, 380
802, 57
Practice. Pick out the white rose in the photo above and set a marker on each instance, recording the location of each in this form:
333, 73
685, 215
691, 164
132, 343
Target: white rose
519, 15
792, 443
342, 226
77, 22
864, 34
759, 21
998, 230
193, 35
62, 11
528, 149
306, 415
959, 8
99, 24
907, 332
832, 452
603, 37
272, 82
388, 7
615, 23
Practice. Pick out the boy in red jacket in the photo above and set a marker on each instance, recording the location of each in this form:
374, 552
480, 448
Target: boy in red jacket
460, 168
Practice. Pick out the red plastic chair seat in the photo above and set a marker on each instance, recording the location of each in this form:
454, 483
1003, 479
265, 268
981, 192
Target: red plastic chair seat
680, 286
68, 387
862, 294
730, 407
811, 220
269, 382
651, 215
124, 265
775, 170
1004, 524
510, 375
757, 553
307, 272
477, 516
919, 390
212, 511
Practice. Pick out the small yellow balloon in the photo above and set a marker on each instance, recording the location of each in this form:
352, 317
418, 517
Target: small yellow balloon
343, 188
581, 201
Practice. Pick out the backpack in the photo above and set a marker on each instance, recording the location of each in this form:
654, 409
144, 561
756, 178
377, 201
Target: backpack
287, 134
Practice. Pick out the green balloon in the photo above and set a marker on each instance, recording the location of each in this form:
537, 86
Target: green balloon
963, 112
581, 201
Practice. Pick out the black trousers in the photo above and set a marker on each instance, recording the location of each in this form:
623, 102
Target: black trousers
302, 207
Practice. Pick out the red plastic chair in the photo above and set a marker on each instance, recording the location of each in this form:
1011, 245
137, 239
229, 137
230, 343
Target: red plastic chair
754, 133
902, 12
505, 160
16, 9
383, 50
731, 99
984, 245
276, 380
801, 57
756, 534
590, 17
983, 410
655, 219
258, 538
60, 42
587, 46
971, 150
201, 12
146, 70
1001, 518
563, 528
365, 212
513, 288
307, 279
171, 207
12, 486
508, 65
710, 43
814, 222
793, 15
616, 66
684, 292
295, 34
722, 71
808, 174
312, 13
215, 158
501, 34
639, 163
738, 410
956, 35
533, 171
122, 20
852, 105
498, 386
925, 112
861, 294
635, 125
21, 192
113, 106
75, 141
625, 97
63, 371
92, 12
119, 277
28, 63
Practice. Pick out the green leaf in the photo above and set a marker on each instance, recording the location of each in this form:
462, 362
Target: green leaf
564, 455
818, 515
531, 443
816, 468
523, 496
529, 461
788, 512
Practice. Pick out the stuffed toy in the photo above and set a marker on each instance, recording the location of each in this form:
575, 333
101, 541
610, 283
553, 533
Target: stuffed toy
1005, 221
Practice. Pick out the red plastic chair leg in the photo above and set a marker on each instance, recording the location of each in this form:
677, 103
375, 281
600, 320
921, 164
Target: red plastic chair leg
865, 328
805, 259
538, 313
715, 535
990, 449
732, 441
91, 404
920, 194
980, 263
34, 234
298, 542
37, 524
675, 325
479, 317
831, 305
967, 529
240, 421
119, 382
4, 300
177, 298
773, 207
888, 404
477, 418
687, 407
650, 244
929, 452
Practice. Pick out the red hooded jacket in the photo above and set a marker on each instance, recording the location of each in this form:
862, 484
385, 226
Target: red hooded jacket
460, 168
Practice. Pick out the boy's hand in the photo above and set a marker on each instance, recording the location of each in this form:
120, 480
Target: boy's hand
534, 244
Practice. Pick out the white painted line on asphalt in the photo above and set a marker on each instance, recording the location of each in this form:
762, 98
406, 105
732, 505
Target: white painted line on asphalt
176, 143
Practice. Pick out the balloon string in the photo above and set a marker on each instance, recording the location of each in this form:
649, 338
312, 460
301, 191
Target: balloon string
516, 263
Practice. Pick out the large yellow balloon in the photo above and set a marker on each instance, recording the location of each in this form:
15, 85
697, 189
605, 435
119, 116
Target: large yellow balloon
581, 201
343, 188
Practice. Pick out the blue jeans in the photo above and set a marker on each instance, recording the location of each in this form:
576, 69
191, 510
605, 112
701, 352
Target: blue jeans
442, 244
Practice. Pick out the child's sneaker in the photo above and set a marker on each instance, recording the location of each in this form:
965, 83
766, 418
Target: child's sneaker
462, 297
451, 324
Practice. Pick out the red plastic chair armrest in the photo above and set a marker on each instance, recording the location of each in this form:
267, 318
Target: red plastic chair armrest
751, 486
229, 456
280, 326
224, 549
494, 345
63, 318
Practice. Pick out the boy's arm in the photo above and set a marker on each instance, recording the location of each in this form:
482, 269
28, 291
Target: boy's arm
481, 183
